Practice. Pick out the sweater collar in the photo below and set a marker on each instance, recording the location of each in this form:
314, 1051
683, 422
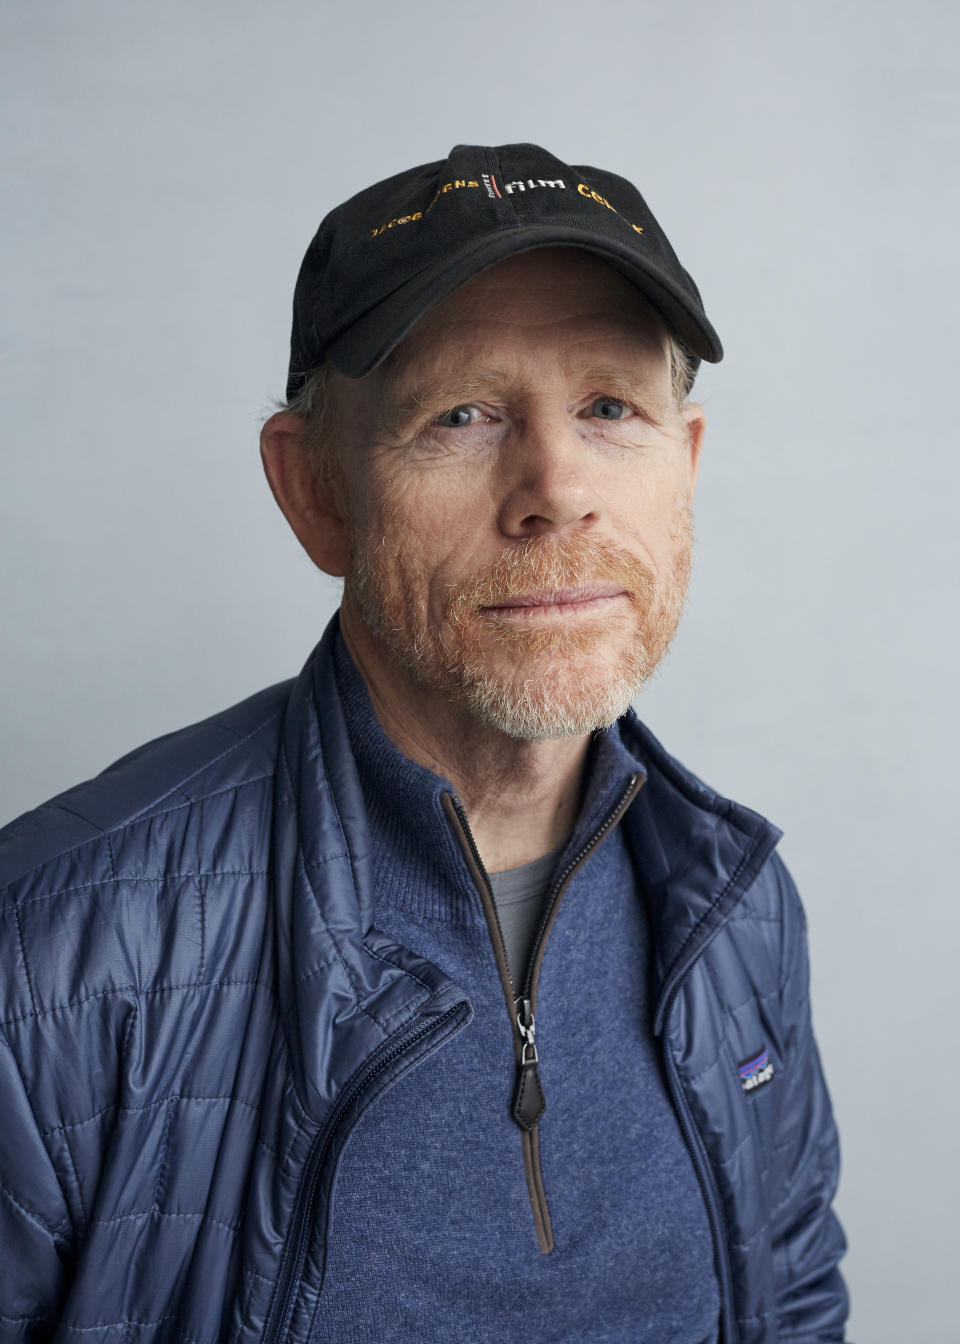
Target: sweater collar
418, 864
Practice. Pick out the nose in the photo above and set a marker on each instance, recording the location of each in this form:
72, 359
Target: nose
548, 481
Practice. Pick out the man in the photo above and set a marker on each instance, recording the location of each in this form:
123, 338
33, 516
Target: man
426, 997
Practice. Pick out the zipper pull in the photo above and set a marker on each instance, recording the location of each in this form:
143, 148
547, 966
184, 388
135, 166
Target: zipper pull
528, 1101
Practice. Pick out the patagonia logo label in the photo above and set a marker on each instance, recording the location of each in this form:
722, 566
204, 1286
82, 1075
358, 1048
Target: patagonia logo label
756, 1072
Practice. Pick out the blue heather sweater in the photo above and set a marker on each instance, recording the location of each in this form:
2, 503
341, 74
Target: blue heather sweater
431, 1231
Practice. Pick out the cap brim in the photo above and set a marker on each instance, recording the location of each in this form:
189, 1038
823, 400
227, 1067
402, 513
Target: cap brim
368, 341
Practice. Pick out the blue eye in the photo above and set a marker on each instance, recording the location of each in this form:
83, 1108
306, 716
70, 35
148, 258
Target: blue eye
448, 420
610, 404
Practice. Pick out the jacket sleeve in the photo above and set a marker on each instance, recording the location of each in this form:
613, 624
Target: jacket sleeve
808, 1241
34, 1221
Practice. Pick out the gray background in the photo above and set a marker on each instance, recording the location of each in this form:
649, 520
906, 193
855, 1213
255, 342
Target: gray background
163, 169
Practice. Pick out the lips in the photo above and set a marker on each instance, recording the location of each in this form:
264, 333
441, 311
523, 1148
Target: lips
577, 595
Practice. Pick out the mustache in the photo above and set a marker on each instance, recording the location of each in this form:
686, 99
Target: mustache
542, 564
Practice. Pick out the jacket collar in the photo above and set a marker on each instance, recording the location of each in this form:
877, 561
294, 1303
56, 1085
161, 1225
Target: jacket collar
697, 855
345, 989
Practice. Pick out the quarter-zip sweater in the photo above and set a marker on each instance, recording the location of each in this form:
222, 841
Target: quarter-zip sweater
432, 1226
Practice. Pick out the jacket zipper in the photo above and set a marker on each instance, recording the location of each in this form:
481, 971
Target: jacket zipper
701, 1165
528, 1099
291, 1268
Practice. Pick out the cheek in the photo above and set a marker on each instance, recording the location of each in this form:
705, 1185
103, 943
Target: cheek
651, 516
433, 528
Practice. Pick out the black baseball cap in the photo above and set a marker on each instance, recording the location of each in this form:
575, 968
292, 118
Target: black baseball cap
381, 260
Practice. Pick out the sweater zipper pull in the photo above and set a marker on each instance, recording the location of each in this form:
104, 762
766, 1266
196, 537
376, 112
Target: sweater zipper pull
528, 1101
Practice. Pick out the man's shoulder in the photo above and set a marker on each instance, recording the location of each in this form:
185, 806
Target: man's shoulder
134, 817
130, 891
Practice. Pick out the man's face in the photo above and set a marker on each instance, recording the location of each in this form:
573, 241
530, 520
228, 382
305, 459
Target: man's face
517, 484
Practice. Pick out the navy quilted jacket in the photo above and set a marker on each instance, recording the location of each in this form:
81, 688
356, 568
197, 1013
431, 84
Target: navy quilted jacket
197, 1007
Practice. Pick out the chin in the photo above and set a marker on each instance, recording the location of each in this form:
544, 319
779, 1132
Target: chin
553, 690
541, 708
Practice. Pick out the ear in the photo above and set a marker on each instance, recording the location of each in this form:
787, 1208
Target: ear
310, 505
695, 420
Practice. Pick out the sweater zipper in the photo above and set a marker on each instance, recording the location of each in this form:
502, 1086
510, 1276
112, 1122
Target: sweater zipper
701, 1165
529, 1103
298, 1239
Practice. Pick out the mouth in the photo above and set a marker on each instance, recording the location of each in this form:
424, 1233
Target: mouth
582, 599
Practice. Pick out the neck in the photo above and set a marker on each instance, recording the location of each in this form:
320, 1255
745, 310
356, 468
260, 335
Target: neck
521, 797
